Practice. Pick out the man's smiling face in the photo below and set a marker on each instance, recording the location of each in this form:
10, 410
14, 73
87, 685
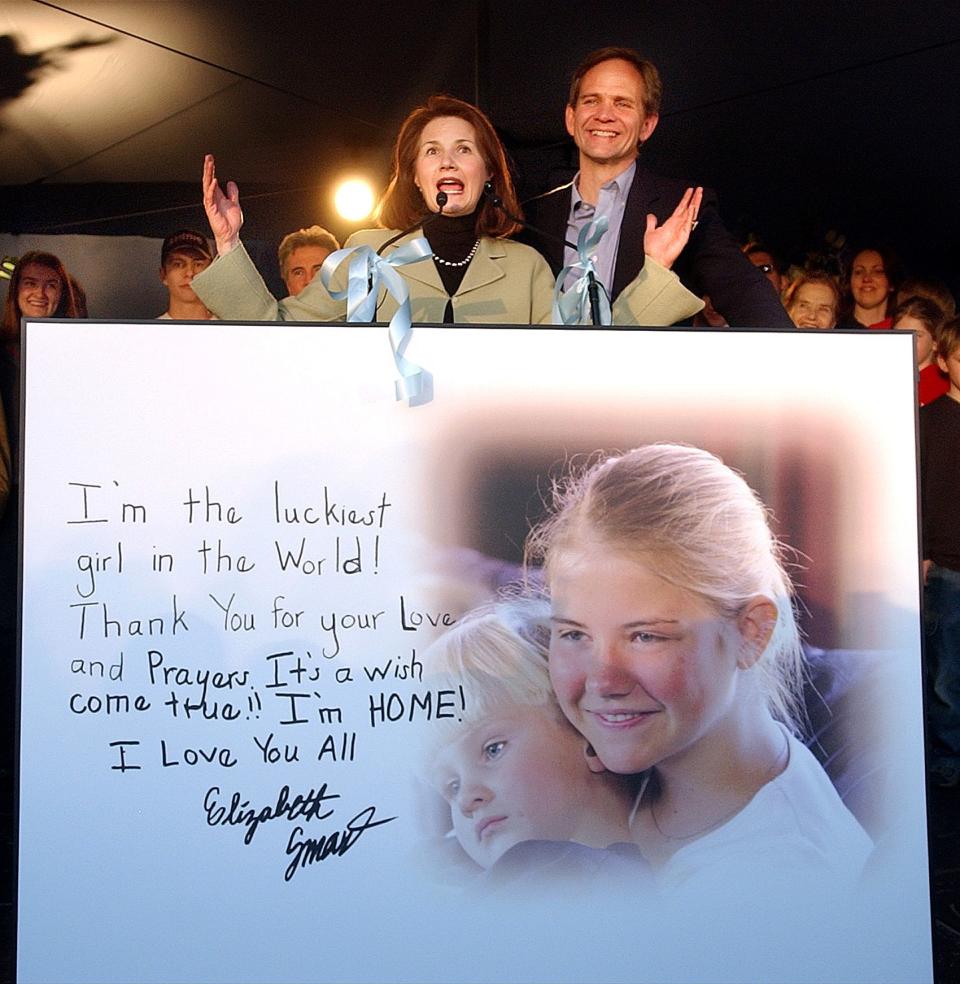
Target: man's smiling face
608, 122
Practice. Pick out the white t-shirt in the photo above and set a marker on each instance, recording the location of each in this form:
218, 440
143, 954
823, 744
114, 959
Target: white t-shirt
795, 830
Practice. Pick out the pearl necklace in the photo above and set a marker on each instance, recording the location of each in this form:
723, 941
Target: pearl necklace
459, 263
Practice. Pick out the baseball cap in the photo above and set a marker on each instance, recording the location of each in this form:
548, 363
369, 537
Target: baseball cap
187, 241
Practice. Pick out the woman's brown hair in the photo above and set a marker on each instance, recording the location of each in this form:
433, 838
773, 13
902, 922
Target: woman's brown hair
67, 308
402, 204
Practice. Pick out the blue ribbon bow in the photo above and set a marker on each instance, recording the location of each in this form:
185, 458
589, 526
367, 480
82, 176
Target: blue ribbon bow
366, 273
572, 306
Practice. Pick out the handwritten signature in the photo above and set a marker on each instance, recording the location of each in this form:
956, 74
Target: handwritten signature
309, 806
310, 850
312, 805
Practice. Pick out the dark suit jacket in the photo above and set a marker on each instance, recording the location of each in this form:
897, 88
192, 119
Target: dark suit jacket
710, 264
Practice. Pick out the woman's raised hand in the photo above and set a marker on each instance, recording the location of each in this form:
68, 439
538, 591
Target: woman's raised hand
665, 243
223, 210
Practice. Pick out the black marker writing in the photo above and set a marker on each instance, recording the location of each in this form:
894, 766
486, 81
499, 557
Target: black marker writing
309, 850
309, 806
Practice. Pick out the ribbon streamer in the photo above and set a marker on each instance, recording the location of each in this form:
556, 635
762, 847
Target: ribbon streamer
572, 306
366, 273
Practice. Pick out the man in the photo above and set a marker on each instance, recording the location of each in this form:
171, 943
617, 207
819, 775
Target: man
613, 109
183, 255
301, 254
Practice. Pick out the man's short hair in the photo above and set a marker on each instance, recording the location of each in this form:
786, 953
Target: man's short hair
312, 236
948, 338
185, 241
652, 84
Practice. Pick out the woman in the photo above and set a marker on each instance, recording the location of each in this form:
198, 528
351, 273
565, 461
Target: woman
675, 652
871, 287
40, 287
813, 300
446, 150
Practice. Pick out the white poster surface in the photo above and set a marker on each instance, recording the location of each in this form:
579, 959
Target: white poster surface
238, 550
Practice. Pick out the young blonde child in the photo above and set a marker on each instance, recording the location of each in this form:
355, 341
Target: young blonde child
512, 769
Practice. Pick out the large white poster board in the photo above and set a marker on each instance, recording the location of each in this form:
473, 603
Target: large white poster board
237, 547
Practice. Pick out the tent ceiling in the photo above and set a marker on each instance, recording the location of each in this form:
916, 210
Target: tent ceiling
794, 111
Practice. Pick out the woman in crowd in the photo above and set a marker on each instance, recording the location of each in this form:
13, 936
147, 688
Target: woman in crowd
446, 153
871, 288
813, 300
675, 652
40, 287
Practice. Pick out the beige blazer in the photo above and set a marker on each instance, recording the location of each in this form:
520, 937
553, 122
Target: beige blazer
506, 283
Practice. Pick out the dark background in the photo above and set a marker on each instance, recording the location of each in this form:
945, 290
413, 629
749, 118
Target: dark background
806, 117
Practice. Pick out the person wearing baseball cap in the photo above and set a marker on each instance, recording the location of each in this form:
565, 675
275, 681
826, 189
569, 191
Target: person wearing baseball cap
183, 255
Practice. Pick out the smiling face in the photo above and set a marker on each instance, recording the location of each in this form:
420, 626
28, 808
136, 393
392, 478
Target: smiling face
869, 283
40, 290
302, 266
645, 670
608, 121
449, 160
517, 775
813, 305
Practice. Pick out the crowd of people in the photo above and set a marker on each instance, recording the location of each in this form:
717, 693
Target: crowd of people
664, 257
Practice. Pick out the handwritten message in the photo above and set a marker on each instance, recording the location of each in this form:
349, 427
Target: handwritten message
228, 631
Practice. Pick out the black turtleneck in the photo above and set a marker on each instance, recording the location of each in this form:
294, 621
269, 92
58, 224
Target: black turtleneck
451, 237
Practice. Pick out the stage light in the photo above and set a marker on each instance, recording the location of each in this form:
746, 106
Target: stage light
354, 199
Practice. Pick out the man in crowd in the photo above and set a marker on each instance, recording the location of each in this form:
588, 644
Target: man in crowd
301, 254
183, 255
613, 109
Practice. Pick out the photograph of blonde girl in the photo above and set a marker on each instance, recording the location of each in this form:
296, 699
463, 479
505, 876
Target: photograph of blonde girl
674, 652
